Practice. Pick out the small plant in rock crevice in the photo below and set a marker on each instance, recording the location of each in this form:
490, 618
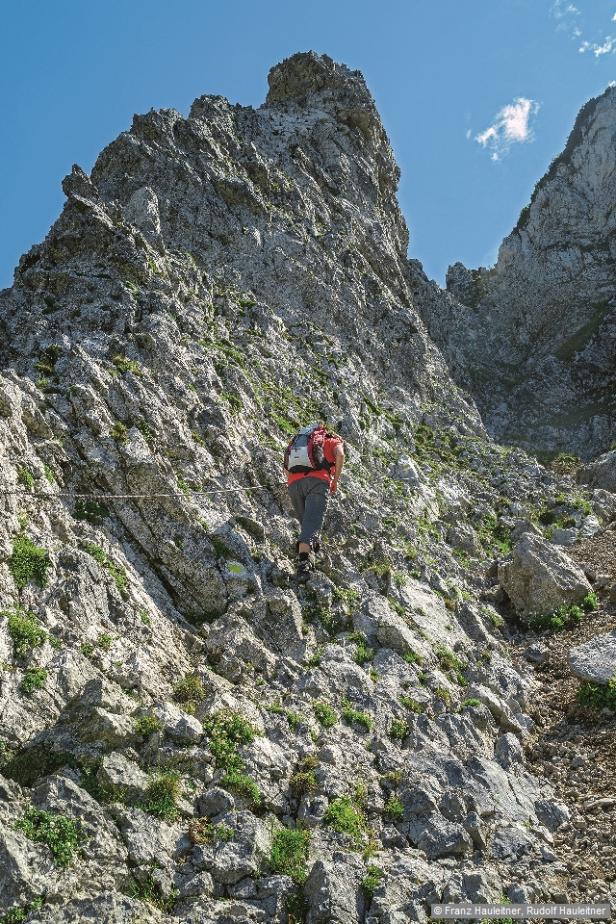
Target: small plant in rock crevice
34, 679
122, 364
119, 432
148, 890
161, 795
18, 914
117, 574
90, 511
597, 696
28, 563
202, 831
564, 616
61, 834
471, 702
372, 879
326, 715
25, 478
295, 719
227, 731
147, 725
344, 817
304, 780
394, 809
25, 631
398, 730
412, 704
355, 717
363, 653
289, 854
244, 786
189, 690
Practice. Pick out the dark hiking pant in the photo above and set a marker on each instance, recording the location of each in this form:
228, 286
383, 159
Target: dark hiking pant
309, 497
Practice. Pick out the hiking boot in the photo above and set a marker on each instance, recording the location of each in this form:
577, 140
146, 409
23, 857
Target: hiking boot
304, 568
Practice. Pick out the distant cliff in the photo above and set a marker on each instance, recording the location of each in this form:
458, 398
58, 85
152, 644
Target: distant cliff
534, 337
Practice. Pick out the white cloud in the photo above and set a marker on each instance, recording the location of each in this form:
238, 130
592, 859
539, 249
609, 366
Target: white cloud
560, 9
510, 126
564, 13
608, 46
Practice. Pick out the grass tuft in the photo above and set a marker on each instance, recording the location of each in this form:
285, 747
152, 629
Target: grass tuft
327, 716
345, 818
24, 630
289, 854
29, 562
161, 795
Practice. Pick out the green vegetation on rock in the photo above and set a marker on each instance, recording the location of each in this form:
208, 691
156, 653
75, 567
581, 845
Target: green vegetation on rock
34, 679
147, 725
372, 879
24, 630
394, 809
289, 854
161, 795
346, 818
117, 574
61, 834
28, 563
227, 731
326, 715
355, 716
597, 696
243, 785
564, 616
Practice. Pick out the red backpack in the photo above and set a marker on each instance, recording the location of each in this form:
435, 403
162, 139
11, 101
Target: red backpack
306, 451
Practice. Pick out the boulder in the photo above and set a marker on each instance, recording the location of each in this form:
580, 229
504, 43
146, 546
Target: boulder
551, 813
230, 861
332, 891
539, 577
595, 660
122, 776
405, 469
508, 751
147, 839
178, 725
601, 473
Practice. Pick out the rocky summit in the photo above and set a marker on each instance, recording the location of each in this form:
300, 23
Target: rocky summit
189, 736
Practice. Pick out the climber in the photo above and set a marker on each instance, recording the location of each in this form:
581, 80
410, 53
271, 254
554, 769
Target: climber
313, 463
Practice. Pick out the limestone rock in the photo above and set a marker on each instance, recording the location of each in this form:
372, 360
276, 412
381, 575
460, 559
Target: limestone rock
539, 578
332, 896
595, 661
601, 473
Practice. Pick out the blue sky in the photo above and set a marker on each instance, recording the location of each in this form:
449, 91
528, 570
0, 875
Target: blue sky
477, 96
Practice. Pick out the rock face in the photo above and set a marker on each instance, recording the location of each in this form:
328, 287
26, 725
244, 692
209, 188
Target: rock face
534, 337
210, 741
539, 577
